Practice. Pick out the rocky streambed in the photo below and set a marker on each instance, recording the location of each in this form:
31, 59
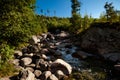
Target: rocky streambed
57, 57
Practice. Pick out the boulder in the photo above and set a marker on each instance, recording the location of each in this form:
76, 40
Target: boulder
31, 65
33, 48
26, 75
28, 55
44, 35
52, 77
81, 55
18, 54
43, 65
34, 40
54, 52
112, 56
37, 73
50, 36
60, 64
25, 50
30, 69
45, 75
26, 61
44, 51
100, 40
16, 62
59, 74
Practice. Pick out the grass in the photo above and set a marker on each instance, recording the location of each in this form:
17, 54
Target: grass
7, 69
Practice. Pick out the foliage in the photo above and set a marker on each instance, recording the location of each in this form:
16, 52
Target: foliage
102, 18
85, 75
6, 54
17, 21
76, 21
53, 23
7, 69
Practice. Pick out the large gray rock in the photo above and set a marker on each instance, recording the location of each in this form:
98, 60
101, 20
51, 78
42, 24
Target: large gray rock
101, 40
60, 64
52, 77
26, 75
81, 55
112, 56
42, 65
30, 69
45, 75
59, 74
26, 61
16, 62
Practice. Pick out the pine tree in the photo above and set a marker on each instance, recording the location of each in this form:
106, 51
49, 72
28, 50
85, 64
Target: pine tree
110, 12
75, 20
75, 6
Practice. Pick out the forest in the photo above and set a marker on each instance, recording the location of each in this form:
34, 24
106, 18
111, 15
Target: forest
97, 36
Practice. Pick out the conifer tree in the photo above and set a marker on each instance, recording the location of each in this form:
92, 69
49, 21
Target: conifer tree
110, 12
75, 20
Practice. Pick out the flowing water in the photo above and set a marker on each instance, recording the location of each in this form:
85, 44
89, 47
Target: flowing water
66, 48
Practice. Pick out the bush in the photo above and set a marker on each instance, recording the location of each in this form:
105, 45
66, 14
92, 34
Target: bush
6, 54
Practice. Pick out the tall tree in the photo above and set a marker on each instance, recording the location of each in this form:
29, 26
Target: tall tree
75, 20
75, 6
110, 12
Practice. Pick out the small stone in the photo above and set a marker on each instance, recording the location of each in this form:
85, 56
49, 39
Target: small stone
34, 40
44, 57
37, 73
18, 54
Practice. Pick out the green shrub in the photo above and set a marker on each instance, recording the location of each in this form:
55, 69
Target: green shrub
6, 54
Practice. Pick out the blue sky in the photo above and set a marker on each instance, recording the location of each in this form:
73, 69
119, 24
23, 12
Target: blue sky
62, 8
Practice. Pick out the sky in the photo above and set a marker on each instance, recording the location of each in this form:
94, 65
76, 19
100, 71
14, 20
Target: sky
62, 8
